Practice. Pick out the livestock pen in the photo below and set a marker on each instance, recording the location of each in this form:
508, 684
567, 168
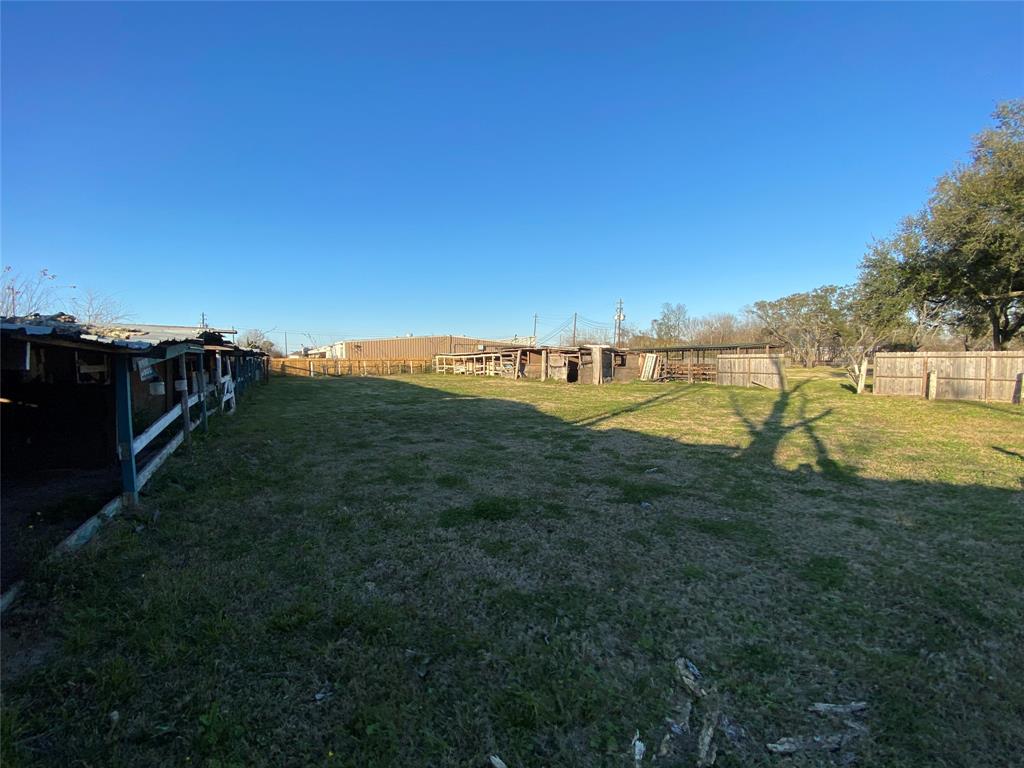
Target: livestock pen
90, 412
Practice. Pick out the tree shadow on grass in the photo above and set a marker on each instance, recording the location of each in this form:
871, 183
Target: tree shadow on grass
766, 437
663, 398
1007, 452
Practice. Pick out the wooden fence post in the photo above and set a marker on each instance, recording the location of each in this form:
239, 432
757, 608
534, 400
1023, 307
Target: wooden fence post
933, 385
218, 381
988, 377
181, 384
125, 438
203, 396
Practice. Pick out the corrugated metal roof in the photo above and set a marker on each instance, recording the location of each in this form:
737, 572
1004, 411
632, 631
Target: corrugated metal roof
126, 336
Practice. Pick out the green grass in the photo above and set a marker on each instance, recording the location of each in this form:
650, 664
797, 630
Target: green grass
464, 567
484, 509
827, 572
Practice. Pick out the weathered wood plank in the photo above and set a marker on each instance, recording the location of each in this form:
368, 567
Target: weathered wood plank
155, 429
981, 375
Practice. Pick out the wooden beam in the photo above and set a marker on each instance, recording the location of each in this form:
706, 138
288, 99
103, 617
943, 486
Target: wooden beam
155, 429
83, 533
154, 464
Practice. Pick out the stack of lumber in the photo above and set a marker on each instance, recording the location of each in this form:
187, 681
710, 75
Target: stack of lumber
676, 370
650, 367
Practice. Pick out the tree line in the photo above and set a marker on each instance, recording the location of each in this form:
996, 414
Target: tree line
39, 292
951, 274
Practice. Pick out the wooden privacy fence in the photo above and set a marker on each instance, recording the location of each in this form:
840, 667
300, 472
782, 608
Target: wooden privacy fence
950, 375
326, 366
768, 371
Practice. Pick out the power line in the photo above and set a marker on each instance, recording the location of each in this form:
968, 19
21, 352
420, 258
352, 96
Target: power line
558, 330
554, 333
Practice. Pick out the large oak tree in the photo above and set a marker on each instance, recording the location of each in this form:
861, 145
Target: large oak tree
965, 252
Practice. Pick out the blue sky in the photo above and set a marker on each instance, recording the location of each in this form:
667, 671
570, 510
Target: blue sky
383, 169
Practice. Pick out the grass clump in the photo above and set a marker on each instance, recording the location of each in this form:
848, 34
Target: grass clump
828, 572
491, 509
451, 481
741, 531
637, 491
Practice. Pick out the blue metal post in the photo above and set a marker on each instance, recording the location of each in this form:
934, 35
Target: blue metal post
125, 436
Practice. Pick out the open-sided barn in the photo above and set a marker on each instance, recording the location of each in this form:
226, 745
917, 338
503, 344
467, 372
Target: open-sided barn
90, 412
591, 364
741, 364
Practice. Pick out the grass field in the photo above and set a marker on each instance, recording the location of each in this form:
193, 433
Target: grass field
427, 571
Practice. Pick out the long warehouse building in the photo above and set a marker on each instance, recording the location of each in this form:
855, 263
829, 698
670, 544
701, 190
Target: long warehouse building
410, 347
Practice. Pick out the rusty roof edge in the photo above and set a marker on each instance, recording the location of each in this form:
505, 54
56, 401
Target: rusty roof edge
66, 325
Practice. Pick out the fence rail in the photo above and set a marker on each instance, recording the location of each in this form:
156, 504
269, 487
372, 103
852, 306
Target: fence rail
950, 375
326, 366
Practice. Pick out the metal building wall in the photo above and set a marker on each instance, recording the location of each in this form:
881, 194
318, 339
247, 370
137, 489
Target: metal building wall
409, 347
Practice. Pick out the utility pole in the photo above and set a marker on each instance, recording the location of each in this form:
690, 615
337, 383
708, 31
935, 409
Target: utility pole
535, 329
286, 343
574, 329
202, 320
619, 317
